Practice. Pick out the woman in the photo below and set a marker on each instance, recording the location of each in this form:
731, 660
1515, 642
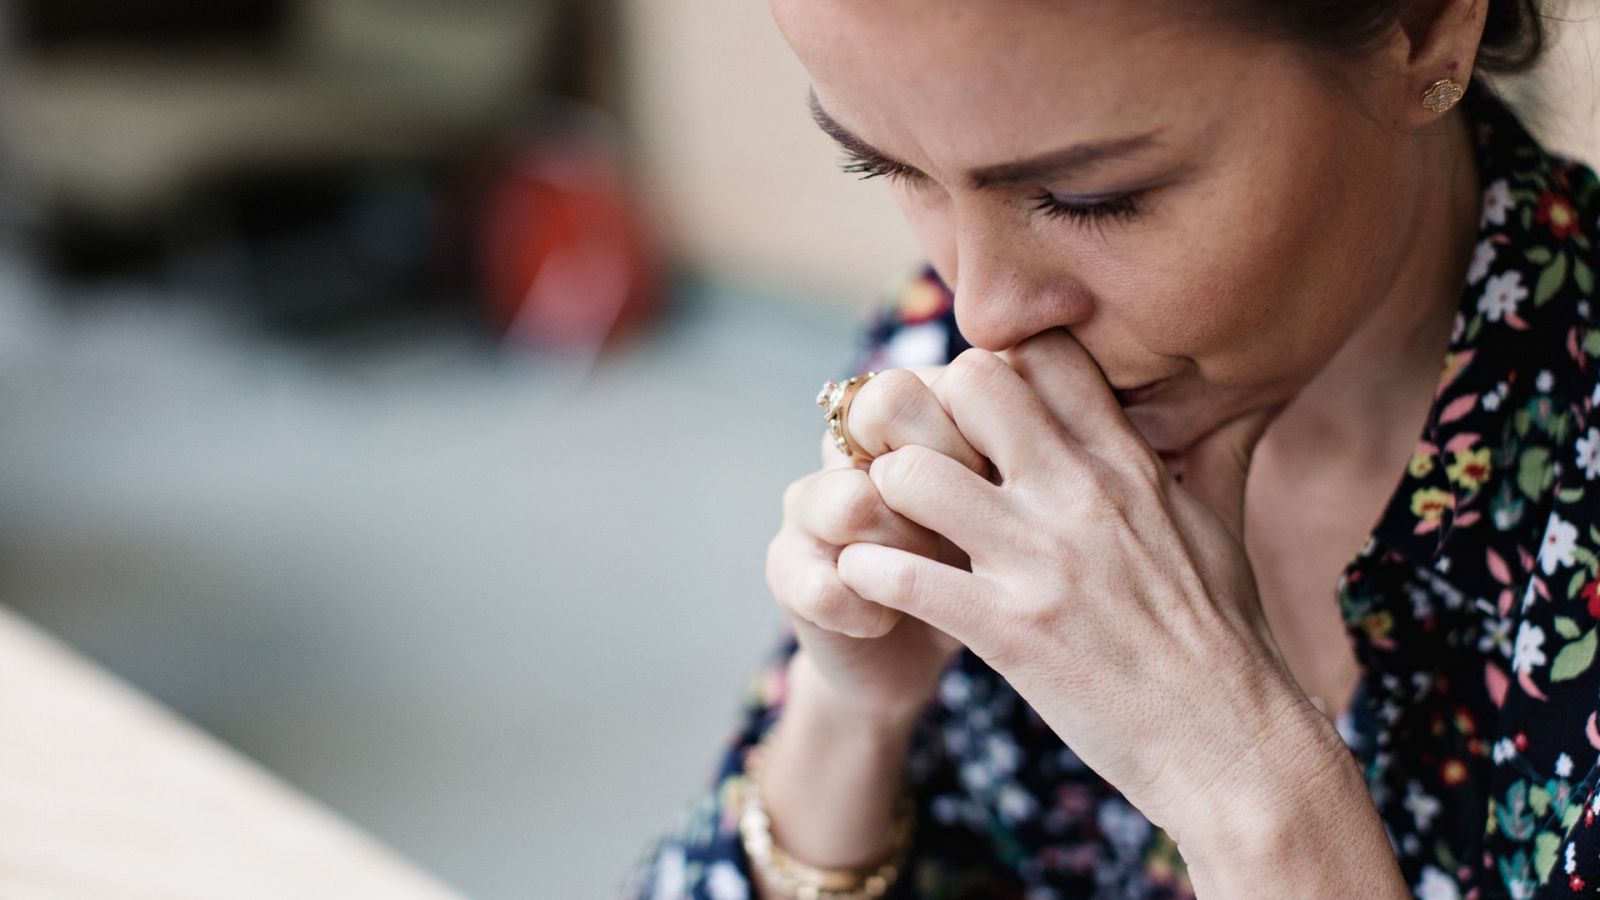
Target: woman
1197, 248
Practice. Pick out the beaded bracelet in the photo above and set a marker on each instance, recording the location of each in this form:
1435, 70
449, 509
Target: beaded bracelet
802, 882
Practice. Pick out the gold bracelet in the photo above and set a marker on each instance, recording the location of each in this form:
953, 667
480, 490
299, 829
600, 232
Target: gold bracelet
799, 881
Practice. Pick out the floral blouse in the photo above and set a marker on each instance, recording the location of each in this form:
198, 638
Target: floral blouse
1473, 608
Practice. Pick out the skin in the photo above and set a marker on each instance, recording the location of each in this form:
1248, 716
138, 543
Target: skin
1302, 229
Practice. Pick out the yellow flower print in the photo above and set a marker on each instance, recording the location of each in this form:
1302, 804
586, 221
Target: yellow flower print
1420, 465
1429, 504
1470, 469
1378, 625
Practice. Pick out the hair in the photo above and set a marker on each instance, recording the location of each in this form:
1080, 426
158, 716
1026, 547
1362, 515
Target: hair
1513, 32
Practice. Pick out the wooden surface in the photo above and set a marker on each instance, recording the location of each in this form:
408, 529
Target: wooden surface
105, 794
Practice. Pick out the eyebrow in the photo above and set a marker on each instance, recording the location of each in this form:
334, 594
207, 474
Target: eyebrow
1045, 167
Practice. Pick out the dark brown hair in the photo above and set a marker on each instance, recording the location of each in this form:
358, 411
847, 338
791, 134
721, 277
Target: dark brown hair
1513, 33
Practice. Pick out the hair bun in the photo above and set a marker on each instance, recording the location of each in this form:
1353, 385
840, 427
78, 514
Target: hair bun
1513, 36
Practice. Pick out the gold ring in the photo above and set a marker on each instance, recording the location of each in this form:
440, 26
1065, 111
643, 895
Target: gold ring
834, 398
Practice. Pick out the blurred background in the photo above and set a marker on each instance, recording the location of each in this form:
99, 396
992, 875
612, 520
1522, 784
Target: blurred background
355, 359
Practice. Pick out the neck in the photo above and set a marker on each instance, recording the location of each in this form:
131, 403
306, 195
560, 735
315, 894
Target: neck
1374, 394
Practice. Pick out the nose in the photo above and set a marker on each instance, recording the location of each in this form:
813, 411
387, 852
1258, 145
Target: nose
1009, 290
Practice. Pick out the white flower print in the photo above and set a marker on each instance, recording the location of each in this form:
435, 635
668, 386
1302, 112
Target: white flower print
1589, 454
1016, 804
1504, 749
1530, 653
1496, 636
1490, 401
1501, 296
1421, 806
1544, 381
916, 345
1496, 202
1003, 753
1436, 885
1482, 256
1563, 766
1571, 858
955, 688
1560, 540
669, 881
1125, 826
725, 883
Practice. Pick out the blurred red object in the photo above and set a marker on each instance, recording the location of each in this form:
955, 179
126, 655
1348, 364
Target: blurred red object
566, 260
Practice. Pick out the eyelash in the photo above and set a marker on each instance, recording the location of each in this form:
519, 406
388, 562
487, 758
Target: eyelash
1118, 208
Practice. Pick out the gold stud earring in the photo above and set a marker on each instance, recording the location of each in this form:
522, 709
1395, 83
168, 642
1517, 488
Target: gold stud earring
1442, 94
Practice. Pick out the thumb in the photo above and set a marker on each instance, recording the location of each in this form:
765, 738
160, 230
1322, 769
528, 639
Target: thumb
1216, 467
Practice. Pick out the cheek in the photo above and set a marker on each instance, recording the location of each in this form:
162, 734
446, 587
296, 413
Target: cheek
1267, 279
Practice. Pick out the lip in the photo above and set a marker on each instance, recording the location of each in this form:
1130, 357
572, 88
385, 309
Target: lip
1138, 393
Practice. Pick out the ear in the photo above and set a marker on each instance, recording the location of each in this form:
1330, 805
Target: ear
1435, 39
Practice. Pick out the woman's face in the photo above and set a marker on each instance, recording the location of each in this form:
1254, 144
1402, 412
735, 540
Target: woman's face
1193, 204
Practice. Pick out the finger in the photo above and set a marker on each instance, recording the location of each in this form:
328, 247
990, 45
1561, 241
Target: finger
807, 586
941, 495
1071, 385
996, 411
895, 409
955, 602
843, 506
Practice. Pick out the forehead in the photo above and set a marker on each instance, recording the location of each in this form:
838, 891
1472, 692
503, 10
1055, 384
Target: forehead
973, 81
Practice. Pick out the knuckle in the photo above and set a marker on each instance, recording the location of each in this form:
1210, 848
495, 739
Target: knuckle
972, 369
857, 506
903, 579
793, 496
904, 466
1147, 468
890, 397
827, 601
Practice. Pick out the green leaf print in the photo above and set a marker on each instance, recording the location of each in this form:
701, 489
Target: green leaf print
1570, 817
1533, 472
1515, 823
1539, 255
1570, 495
1545, 847
1538, 800
1573, 585
1591, 343
1583, 276
1574, 659
1584, 555
1566, 627
1550, 281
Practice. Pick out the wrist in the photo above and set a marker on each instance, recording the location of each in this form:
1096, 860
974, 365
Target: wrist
1307, 819
815, 700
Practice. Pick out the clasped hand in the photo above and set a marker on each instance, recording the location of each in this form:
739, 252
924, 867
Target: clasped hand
1018, 512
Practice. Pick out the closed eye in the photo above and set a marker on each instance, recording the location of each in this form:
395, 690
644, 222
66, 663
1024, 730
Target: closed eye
865, 168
